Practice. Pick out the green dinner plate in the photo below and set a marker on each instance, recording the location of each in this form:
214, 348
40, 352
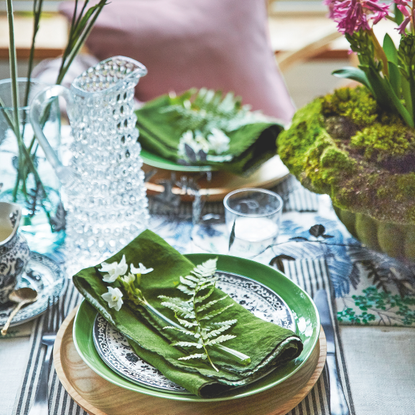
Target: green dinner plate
159, 162
304, 311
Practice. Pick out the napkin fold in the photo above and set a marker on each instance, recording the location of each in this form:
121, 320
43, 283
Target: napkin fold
210, 119
267, 344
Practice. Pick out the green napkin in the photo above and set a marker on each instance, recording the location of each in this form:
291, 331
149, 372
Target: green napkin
164, 121
267, 344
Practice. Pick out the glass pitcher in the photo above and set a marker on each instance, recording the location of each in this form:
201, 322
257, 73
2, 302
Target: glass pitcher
103, 184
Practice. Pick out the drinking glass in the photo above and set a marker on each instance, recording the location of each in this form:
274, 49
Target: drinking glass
252, 219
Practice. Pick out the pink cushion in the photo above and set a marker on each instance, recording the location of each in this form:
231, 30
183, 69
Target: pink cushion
217, 44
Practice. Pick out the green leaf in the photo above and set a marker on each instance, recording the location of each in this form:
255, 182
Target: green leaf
386, 97
398, 14
355, 74
390, 49
232, 236
395, 78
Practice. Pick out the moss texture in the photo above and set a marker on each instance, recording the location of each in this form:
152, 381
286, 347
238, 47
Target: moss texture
343, 145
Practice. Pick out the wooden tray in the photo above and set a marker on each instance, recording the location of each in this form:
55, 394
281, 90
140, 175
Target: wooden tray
268, 175
100, 397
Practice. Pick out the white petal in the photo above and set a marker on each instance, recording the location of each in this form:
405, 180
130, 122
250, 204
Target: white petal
110, 278
122, 266
106, 267
113, 297
144, 270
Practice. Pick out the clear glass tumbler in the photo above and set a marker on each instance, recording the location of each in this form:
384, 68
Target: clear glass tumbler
253, 220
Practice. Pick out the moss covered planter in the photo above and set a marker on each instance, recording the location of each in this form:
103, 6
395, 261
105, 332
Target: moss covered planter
344, 145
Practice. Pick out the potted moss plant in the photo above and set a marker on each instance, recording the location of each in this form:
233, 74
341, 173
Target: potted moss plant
358, 144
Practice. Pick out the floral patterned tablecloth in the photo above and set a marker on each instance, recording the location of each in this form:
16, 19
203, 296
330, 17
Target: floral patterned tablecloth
315, 251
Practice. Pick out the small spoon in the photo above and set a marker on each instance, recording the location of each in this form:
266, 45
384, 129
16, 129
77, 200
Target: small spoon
22, 296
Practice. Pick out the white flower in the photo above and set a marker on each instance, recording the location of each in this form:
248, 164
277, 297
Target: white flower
187, 139
218, 140
114, 298
141, 269
114, 270
128, 279
201, 140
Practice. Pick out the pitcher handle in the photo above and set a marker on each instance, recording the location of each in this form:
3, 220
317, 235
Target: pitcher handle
37, 108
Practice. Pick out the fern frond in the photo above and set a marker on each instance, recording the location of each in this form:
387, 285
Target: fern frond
185, 289
187, 344
184, 331
210, 304
188, 282
187, 323
174, 300
206, 109
226, 323
220, 339
215, 313
184, 312
202, 298
194, 356
215, 333
192, 314
192, 278
207, 269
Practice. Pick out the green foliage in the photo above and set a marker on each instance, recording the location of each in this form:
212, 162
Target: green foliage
379, 305
386, 72
196, 313
206, 109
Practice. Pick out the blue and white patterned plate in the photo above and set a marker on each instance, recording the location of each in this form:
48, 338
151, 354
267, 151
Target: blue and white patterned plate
43, 275
118, 355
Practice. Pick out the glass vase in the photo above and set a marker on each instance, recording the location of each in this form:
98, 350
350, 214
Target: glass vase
26, 177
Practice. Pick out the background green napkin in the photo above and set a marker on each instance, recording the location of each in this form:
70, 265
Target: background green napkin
267, 344
162, 122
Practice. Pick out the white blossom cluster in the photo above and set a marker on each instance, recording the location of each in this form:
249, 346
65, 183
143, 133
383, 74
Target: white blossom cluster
117, 270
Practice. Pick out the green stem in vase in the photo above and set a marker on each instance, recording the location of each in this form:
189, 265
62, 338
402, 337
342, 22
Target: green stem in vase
13, 67
79, 31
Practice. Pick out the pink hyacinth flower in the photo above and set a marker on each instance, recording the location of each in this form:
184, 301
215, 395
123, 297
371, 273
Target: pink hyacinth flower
403, 7
354, 15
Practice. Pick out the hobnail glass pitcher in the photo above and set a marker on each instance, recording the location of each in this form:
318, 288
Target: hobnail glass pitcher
103, 184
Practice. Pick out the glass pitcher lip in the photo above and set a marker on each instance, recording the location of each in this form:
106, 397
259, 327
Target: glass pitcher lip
21, 79
139, 69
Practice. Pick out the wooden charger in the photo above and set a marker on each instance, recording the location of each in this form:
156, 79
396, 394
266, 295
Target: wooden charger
100, 397
221, 183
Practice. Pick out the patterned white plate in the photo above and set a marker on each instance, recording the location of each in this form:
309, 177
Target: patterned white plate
47, 278
118, 355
